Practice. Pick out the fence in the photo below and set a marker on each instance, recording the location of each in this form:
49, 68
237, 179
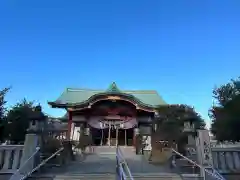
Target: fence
215, 144
208, 172
17, 174
226, 160
10, 158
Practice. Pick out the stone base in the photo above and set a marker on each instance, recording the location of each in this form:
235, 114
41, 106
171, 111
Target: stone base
160, 156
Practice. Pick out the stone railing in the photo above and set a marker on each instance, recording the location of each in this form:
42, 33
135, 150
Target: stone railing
10, 158
226, 160
215, 144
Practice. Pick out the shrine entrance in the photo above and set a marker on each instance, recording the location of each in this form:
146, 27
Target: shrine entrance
112, 123
112, 134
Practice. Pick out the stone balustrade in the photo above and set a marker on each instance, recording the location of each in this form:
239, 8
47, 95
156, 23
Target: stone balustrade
10, 158
226, 160
215, 144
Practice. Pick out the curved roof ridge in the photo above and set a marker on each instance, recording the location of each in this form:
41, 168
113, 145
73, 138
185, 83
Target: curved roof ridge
102, 90
84, 89
140, 91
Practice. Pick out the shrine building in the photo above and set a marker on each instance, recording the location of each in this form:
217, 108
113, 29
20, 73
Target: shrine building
112, 116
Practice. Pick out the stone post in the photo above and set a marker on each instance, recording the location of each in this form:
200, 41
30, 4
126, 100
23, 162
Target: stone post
109, 134
136, 142
87, 136
204, 153
30, 147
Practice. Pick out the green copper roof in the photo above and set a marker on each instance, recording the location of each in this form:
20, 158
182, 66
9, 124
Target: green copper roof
76, 96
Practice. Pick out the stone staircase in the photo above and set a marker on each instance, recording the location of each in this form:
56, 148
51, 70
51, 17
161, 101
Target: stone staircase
139, 164
185, 167
100, 164
86, 177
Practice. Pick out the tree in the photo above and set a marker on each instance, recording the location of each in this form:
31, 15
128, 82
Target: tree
2, 111
225, 114
172, 117
170, 123
18, 119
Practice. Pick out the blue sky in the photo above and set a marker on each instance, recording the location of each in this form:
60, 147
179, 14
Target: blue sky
182, 49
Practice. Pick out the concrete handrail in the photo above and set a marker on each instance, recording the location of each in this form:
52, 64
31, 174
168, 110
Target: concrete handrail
120, 156
42, 163
16, 173
216, 175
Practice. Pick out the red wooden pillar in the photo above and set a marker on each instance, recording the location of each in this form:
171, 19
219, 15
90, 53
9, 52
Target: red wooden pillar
69, 125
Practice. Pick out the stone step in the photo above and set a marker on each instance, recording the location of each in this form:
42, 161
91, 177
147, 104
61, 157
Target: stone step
139, 176
99, 149
186, 167
86, 177
156, 176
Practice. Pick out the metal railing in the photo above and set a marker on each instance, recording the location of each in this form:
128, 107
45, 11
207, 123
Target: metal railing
122, 166
41, 164
18, 176
214, 172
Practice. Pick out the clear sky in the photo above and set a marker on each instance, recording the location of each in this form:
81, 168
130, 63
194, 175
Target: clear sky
181, 48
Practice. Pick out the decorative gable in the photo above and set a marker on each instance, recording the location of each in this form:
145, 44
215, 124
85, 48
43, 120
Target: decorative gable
113, 88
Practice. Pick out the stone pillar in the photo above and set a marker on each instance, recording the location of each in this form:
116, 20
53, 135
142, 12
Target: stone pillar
125, 137
81, 130
78, 131
109, 134
135, 133
116, 136
69, 125
204, 153
88, 138
30, 147
102, 127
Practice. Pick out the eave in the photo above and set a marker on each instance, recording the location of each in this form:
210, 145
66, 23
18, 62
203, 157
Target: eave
54, 104
118, 95
87, 104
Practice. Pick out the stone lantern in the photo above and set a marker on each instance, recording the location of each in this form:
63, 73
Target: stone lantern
188, 124
189, 128
38, 121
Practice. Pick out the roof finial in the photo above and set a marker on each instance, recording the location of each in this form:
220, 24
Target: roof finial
113, 88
